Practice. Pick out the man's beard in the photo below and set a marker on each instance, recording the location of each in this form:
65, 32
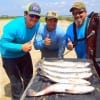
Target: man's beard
79, 22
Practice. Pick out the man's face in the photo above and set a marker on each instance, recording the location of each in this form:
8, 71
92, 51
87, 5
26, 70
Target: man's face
79, 16
31, 20
51, 23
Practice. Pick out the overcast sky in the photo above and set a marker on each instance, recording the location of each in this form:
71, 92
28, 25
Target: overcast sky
16, 7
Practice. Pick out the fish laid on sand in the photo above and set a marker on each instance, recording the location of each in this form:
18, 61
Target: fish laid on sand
66, 64
62, 88
76, 81
84, 75
66, 69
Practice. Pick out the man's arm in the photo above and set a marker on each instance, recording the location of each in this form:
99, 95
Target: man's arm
7, 39
61, 42
38, 40
69, 37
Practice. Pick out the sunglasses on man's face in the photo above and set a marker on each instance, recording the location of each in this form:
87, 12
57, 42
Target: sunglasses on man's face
78, 12
34, 16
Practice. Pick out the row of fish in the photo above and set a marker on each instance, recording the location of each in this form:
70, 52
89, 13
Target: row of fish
69, 77
52, 69
62, 75
62, 88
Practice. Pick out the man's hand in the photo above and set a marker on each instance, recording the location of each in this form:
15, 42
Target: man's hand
26, 47
70, 44
47, 41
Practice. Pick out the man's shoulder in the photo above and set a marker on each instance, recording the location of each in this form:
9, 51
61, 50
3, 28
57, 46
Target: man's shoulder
17, 20
14, 22
59, 28
41, 26
70, 25
60, 31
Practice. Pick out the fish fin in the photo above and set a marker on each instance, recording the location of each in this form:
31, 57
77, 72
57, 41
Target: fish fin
98, 89
30, 92
42, 60
69, 90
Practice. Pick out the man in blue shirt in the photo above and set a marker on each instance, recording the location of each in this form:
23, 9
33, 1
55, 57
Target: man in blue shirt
15, 45
50, 37
75, 35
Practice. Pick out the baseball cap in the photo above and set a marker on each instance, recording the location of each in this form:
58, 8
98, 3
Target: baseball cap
78, 5
33, 8
51, 15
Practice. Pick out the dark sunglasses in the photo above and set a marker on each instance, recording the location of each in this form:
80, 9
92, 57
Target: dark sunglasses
34, 16
79, 12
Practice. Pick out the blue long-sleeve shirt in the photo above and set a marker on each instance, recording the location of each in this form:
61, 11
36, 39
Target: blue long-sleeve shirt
57, 37
80, 48
16, 33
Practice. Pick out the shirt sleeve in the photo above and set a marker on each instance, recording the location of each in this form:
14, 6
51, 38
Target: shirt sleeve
7, 40
38, 40
61, 43
69, 34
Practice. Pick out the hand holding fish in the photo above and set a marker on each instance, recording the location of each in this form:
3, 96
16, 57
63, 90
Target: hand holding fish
47, 40
70, 44
26, 47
